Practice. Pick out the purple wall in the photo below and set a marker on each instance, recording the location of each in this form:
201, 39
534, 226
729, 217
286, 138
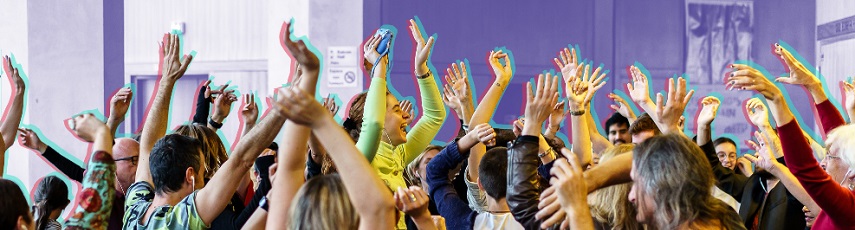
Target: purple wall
616, 33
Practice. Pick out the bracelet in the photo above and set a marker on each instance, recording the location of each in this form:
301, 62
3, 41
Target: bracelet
577, 112
543, 154
422, 76
466, 128
215, 124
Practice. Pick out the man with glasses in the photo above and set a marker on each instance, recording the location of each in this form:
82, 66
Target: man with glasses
125, 152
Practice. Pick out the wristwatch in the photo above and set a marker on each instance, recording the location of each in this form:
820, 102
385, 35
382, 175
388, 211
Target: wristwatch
263, 203
577, 112
423, 76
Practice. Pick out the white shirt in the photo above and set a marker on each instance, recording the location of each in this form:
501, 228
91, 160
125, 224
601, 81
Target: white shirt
488, 220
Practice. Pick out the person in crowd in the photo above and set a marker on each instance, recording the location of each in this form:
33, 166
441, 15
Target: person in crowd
831, 188
50, 198
643, 128
610, 206
15, 213
357, 199
727, 152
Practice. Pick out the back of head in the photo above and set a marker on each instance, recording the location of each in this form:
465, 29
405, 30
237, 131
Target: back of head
50, 193
323, 203
643, 123
842, 141
170, 157
672, 170
14, 205
353, 123
493, 171
212, 146
616, 119
611, 205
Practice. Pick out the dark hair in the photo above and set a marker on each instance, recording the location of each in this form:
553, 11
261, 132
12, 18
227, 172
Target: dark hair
722, 140
672, 170
616, 119
212, 147
51, 193
353, 123
504, 136
170, 158
644, 123
14, 205
493, 172
273, 146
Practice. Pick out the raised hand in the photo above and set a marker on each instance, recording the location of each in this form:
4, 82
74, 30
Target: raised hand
423, 49
503, 72
539, 103
622, 107
799, 75
407, 108
213, 92
594, 82
369, 49
120, 103
556, 117
457, 87
306, 58
849, 98
747, 78
88, 127
30, 140
13, 73
569, 65
577, 90
250, 109
708, 112
757, 113
483, 133
669, 111
638, 87
223, 105
173, 66
767, 147
329, 103
518, 126
300, 107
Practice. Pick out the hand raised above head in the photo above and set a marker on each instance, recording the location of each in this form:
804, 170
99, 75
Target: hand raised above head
568, 64
30, 140
14, 74
745, 77
423, 48
120, 103
669, 111
504, 72
87, 126
709, 111
173, 64
307, 59
300, 107
250, 109
540, 103
798, 73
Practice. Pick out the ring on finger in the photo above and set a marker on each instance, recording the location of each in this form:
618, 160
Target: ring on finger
412, 198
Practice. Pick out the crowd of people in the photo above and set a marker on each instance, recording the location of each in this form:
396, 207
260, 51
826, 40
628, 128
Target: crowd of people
378, 169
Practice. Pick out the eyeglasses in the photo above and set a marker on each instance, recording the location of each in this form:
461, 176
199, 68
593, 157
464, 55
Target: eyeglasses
132, 159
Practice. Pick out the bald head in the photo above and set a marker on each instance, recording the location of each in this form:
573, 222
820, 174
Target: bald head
124, 151
125, 147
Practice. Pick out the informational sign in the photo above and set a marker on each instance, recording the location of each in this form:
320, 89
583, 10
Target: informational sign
342, 66
342, 76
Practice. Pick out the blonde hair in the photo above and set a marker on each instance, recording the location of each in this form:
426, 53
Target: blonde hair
841, 139
611, 205
410, 173
212, 147
323, 203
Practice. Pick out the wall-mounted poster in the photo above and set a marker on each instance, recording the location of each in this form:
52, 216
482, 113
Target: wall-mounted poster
717, 33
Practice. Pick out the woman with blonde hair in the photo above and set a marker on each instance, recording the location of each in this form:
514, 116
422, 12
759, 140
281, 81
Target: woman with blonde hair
610, 207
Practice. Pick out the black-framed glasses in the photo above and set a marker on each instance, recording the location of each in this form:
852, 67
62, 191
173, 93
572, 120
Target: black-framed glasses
132, 159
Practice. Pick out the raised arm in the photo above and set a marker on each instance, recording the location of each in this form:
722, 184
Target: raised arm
768, 150
668, 113
487, 107
523, 191
849, 98
100, 175
829, 117
222, 107
13, 111
622, 107
638, 90
369, 195
579, 94
249, 113
429, 124
30, 139
457, 95
705, 118
374, 111
291, 161
119, 104
172, 68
